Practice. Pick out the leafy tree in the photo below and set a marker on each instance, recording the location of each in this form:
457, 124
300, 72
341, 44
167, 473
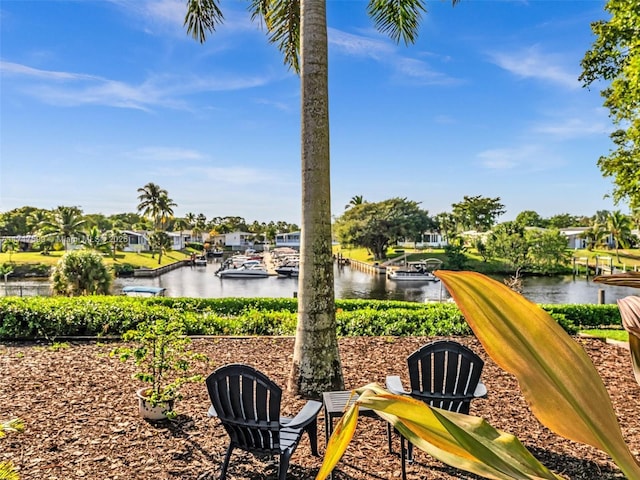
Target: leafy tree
614, 58
124, 221
548, 251
446, 225
619, 226
563, 220
508, 241
10, 246
64, 225
477, 213
300, 31
161, 242
81, 272
376, 225
455, 252
98, 220
529, 218
15, 222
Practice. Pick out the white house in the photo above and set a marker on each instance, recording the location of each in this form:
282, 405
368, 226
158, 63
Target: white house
428, 239
239, 240
289, 239
136, 241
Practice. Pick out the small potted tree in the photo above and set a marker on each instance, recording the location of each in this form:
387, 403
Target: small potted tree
164, 362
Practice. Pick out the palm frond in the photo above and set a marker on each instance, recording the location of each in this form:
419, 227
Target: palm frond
282, 18
400, 19
202, 16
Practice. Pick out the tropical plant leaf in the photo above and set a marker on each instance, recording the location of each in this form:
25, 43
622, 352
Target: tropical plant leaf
630, 313
339, 441
462, 441
557, 378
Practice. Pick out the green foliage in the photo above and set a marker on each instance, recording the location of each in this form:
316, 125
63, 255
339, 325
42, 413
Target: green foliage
122, 269
161, 355
376, 225
52, 317
456, 258
81, 273
477, 213
615, 59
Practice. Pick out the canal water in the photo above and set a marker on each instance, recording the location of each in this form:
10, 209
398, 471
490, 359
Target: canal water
202, 282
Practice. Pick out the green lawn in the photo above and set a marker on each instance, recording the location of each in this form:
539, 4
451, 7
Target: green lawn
620, 335
136, 259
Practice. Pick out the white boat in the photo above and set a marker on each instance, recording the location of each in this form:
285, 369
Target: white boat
200, 261
413, 272
408, 275
244, 271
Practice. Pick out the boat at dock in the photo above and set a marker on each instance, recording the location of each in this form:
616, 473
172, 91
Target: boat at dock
243, 271
412, 272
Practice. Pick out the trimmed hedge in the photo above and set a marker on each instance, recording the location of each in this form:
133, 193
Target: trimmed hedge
51, 317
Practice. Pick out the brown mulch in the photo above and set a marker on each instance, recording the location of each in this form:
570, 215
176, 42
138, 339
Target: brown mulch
82, 420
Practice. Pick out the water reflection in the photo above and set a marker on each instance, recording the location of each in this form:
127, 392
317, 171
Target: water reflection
202, 282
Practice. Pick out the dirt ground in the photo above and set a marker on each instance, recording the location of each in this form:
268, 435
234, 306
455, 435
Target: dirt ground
82, 421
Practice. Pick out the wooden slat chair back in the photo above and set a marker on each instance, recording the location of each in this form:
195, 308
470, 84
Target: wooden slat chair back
247, 403
445, 374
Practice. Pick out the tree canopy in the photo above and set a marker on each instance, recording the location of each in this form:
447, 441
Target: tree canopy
477, 213
615, 59
375, 225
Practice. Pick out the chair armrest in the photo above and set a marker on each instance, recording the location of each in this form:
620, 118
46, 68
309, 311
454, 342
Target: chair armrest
305, 416
212, 412
480, 391
394, 385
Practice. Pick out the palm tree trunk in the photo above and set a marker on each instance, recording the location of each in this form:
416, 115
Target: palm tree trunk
316, 360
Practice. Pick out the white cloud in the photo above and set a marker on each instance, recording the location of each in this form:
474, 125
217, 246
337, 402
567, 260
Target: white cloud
525, 158
574, 128
168, 91
405, 69
533, 63
165, 154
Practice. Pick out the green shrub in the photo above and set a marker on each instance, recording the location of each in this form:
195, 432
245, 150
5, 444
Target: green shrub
51, 317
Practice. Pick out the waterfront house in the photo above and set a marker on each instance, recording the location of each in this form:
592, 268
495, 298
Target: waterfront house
289, 239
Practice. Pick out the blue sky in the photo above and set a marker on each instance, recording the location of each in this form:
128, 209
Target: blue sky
99, 98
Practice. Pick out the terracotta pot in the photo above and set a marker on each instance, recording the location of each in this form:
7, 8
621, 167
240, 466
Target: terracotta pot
150, 412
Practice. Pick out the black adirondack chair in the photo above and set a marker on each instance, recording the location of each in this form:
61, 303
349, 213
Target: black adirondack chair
443, 374
247, 403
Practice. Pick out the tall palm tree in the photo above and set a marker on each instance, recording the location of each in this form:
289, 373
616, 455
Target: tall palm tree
151, 198
300, 26
64, 224
619, 226
165, 210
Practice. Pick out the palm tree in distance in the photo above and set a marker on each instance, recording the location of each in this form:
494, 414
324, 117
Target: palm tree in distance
619, 226
151, 198
299, 28
64, 225
355, 200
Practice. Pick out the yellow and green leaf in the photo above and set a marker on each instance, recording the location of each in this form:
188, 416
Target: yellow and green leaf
556, 375
463, 441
